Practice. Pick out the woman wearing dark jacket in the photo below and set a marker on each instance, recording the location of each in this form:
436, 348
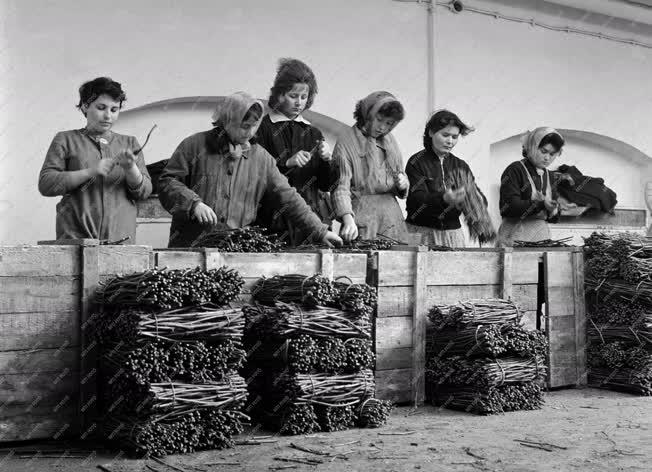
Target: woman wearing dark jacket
433, 204
528, 200
299, 148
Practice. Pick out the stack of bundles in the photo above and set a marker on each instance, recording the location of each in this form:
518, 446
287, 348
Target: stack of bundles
619, 304
482, 360
249, 239
310, 355
170, 352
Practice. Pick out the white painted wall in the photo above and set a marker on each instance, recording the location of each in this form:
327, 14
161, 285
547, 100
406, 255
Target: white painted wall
503, 77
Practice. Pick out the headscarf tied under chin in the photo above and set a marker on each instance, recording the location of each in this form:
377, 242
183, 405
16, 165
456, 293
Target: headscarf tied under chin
532, 139
229, 115
370, 105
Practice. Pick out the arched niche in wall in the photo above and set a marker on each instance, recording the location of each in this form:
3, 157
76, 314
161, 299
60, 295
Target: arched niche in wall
178, 118
624, 168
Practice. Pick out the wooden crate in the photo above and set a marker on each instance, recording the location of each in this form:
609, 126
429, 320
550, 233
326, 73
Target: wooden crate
253, 266
47, 376
411, 282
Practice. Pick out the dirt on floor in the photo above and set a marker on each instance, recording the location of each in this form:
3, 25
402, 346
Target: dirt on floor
577, 430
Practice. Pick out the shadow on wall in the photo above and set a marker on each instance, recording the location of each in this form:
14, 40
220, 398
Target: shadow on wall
178, 118
625, 169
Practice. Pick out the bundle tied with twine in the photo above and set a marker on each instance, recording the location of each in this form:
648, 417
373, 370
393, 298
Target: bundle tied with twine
471, 313
500, 399
249, 239
329, 390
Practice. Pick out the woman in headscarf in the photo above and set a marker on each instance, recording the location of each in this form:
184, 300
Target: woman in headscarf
100, 174
371, 175
301, 152
528, 200
435, 202
217, 178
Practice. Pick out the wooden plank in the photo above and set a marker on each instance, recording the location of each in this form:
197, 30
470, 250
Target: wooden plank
633, 217
353, 266
580, 316
399, 301
39, 360
39, 294
179, 259
561, 301
39, 330
400, 358
28, 261
327, 267
42, 388
560, 273
419, 323
88, 351
562, 377
563, 325
22, 422
394, 385
506, 289
394, 332
463, 267
529, 319
123, 259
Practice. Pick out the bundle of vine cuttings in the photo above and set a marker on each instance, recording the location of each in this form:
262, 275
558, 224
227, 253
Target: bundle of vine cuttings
295, 288
305, 354
474, 312
357, 245
474, 208
618, 354
640, 293
248, 239
296, 418
335, 418
286, 319
207, 322
562, 242
164, 289
637, 381
186, 432
484, 372
328, 390
626, 256
373, 412
488, 340
500, 399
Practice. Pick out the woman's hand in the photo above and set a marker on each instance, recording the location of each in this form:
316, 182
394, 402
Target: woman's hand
455, 198
402, 182
300, 159
349, 229
331, 239
126, 159
103, 167
325, 151
551, 206
204, 214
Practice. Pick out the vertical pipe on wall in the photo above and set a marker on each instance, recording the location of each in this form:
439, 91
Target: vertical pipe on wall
432, 58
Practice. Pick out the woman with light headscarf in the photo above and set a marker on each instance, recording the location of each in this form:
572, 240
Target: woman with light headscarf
528, 200
217, 178
371, 172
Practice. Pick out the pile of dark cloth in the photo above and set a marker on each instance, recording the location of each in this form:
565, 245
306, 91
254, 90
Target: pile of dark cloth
583, 190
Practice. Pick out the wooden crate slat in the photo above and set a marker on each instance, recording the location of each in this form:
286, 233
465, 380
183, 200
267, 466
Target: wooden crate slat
39, 360
353, 266
38, 330
123, 259
24, 422
399, 358
38, 294
396, 268
561, 302
560, 265
562, 325
179, 259
580, 315
394, 332
394, 385
38, 387
562, 377
28, 261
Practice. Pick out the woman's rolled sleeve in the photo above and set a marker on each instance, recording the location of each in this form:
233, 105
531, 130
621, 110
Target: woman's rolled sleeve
144, 188
53, 179
341, 196
174, 194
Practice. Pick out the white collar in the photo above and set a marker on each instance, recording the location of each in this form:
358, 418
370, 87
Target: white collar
277, 117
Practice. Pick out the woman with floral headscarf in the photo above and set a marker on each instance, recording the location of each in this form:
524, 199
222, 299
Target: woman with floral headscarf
371, 175
217, 178
528, 200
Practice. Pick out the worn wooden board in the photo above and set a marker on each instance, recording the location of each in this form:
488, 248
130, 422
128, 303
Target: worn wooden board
43, 388
23, 422
396, 268
39, 360
28, 261
123, 259
394, 385
39, 294
559, 269
39, 330
178, 259
397, 358
394, 332
399, 301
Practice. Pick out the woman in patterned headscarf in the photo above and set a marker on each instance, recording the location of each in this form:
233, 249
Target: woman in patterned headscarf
371, 172
527, 198
217, 178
